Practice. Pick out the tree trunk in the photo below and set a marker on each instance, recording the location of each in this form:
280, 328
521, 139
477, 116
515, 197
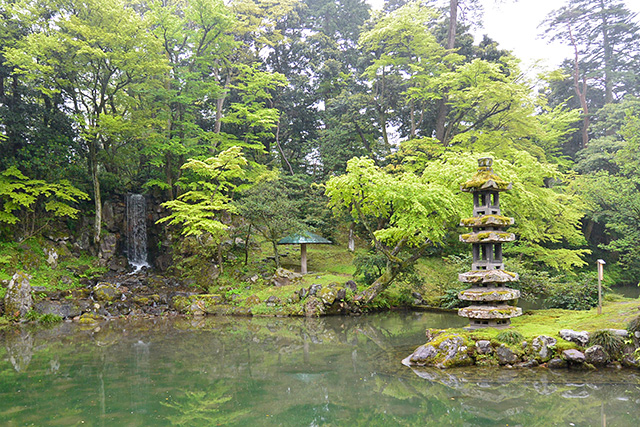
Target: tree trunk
220, 258
280, 147
453, 22
588, 229
581, 92
246, 246
276, 255
220, 105
608, 56
381, 283
93, 164
412, 133
441, 120
382, 112
441, 115
167, 172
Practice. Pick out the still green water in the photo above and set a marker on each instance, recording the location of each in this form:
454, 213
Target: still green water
337, 371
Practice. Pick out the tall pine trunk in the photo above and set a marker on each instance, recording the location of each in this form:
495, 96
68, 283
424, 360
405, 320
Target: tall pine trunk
441, 115
580, 89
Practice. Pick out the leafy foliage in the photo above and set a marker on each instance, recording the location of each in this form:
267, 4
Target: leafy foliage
31, 199
579, 293
545, 217
199, 210
449, 298
398, 210
613, 195
267, 206
370, 265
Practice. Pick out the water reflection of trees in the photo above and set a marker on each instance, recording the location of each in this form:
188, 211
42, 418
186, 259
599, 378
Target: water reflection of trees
257, 371
204, 407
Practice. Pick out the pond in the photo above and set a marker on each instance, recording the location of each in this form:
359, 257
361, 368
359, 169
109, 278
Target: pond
336, 371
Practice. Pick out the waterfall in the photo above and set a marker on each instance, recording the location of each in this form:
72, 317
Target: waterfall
137, 231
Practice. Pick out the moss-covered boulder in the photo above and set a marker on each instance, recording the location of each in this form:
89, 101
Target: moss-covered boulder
543, 347
506, 355
197, 304
284, 277
596, 355
65, 309
90, 319
52, 255
18, 300
273, 301
313, 307
106, 292
573, 356
444, 351
327, 295
294, 298
252, 300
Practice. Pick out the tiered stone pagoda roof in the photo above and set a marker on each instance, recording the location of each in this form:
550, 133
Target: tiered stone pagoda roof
488, 276
489, 294
502, 312
485, 179
489, 236
487, 221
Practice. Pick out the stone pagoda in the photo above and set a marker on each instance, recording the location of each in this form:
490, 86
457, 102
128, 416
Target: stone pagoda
492, 304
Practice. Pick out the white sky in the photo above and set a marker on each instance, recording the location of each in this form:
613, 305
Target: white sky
514, 25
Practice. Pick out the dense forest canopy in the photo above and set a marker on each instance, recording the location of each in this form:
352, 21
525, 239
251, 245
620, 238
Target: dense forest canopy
202, 102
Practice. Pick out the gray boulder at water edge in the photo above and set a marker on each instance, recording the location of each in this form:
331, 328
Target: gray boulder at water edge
18, 301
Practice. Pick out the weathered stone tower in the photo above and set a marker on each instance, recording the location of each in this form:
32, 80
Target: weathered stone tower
492, 304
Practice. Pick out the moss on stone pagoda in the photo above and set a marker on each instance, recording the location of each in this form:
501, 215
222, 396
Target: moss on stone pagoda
492, 304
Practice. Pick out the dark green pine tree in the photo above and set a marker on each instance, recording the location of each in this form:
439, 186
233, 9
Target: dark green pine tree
322, 123
603, 36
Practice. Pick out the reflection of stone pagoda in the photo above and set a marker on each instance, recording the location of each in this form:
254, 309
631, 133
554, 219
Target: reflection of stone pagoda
492, 304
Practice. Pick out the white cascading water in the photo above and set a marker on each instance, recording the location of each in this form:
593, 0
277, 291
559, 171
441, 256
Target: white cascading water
137, 231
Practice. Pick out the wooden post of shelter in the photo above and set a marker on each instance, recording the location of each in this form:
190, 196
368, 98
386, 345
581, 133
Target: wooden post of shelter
303, 239
303, 258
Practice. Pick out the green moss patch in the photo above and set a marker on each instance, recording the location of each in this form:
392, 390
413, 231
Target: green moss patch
481, 178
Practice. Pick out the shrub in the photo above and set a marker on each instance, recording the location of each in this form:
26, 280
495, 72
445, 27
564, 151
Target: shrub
450, 297
579, 294
370, 265
609, 341
510, 337
532, 284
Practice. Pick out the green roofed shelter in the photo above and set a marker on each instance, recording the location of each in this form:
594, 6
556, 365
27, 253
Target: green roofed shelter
303, 239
